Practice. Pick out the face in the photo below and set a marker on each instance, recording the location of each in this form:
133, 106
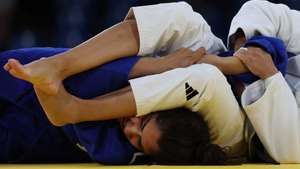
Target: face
142, 132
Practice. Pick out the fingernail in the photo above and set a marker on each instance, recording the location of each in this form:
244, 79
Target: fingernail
243, 50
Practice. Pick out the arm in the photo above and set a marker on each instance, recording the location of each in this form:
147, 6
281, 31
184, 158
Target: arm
269, 19
228, 65
275, 117
272, 109
181, 58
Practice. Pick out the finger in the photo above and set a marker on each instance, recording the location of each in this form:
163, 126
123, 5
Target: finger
244, 58
199, 54
241, 51
201, 51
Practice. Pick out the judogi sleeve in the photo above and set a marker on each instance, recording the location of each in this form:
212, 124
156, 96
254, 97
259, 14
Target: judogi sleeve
164, 28
201, 88
272, 109
269, 19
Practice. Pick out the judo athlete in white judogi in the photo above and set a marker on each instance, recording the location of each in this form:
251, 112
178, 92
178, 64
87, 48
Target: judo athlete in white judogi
164, 28
272, 104
275, 116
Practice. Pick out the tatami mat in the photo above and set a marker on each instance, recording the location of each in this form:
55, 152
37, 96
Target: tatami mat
94, 166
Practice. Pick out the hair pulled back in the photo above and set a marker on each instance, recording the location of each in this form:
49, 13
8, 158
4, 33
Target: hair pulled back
185, 140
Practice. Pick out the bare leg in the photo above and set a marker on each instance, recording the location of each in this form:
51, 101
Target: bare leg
118, 41
63, 108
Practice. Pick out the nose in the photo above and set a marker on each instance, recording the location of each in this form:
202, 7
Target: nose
132, 132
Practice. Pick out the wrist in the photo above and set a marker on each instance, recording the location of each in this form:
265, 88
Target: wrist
147, 66
164, 63
268, 74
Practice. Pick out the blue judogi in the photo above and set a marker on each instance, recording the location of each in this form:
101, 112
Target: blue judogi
26, 134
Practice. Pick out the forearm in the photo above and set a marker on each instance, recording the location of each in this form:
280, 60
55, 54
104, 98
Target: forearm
147, 66
180, 58
228, 65
118, 41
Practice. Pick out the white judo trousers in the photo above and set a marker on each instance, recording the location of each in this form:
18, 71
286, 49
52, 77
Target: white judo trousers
272, 105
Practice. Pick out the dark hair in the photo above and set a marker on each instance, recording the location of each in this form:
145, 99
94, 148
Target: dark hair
185, 139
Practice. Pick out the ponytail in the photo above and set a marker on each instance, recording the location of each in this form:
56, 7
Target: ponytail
185, 140
209, 154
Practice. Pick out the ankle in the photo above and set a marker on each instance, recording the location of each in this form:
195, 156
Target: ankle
59, 65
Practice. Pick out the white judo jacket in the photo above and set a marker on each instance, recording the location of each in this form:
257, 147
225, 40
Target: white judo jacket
202, 88
271, 105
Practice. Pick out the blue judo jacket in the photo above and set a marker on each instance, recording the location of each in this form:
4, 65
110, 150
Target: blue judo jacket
27, 136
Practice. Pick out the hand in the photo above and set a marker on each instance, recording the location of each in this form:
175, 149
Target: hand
258, 61
183, 57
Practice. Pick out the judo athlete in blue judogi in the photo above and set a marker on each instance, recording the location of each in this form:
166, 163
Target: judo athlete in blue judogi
27, 136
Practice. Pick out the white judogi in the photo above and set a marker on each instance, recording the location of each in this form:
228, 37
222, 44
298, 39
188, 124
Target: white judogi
270, 104
164, 28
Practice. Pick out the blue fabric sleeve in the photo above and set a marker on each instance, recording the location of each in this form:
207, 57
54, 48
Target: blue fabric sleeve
275, 47
105, 142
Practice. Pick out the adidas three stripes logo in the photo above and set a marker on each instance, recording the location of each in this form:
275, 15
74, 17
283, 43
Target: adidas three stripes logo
190, 92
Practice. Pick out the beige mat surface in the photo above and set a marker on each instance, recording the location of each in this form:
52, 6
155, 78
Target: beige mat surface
94, 166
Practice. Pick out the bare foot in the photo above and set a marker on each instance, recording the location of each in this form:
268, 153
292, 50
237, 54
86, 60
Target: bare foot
42, 73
